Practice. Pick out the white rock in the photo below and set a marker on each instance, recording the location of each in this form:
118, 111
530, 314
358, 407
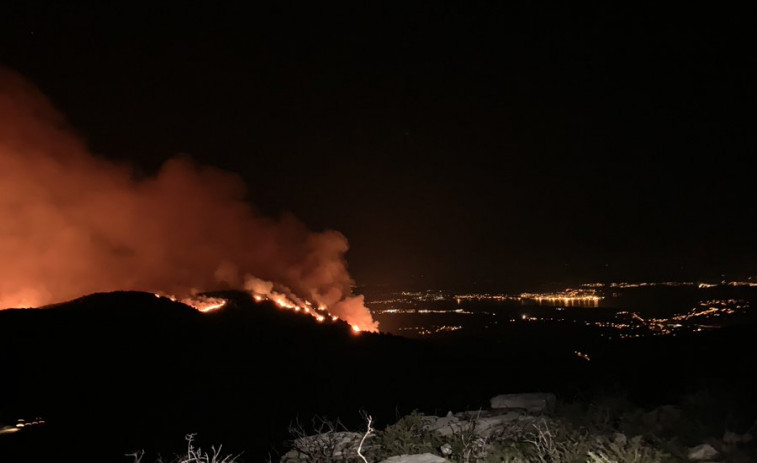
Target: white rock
422, 458
443, 425
702, 452
534, 402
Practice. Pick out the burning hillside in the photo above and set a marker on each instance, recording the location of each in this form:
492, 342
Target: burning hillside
72, 224
261, 291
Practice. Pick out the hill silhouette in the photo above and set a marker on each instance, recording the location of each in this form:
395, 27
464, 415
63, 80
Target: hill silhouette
122, 371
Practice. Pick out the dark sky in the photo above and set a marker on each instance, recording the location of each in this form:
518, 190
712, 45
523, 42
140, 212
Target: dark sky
466, 144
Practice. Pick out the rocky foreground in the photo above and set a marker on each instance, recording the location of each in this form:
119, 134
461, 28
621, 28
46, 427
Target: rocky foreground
533, 427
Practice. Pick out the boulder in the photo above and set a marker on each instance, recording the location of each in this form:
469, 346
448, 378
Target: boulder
702, 453
532, 402
422, 458
485, 423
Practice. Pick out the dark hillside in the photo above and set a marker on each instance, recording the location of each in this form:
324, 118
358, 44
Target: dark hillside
112, 373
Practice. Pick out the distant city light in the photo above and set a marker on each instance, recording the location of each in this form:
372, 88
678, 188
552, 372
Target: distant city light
559, 307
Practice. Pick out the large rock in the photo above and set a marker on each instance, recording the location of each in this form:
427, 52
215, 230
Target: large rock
702, 452
422, 458
483, 422
486, 424
532, 402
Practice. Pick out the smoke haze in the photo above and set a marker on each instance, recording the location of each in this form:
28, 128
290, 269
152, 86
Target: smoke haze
72, 224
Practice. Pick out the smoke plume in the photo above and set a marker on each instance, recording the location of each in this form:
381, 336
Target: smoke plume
72, 224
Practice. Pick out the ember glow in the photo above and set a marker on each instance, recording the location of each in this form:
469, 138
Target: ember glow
261, 291
264, 291
199, 303
73, 224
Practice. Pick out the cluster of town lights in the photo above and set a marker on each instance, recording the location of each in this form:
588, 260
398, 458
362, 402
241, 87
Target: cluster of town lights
567, 297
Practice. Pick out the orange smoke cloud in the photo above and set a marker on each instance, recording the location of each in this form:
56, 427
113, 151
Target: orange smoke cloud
73, 224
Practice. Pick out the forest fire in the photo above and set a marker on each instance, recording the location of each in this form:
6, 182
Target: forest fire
74, 223
200, 303
262, 291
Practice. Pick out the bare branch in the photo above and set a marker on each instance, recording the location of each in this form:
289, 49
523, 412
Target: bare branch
368, 431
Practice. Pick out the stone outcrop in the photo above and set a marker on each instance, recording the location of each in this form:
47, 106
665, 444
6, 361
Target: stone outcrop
487, 423
422, 458
702, 452
533, 402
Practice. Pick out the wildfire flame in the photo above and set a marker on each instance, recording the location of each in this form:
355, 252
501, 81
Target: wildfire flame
206, 304
200, 303
73, 223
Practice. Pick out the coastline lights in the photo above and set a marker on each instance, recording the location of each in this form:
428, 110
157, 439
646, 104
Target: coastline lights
568, 298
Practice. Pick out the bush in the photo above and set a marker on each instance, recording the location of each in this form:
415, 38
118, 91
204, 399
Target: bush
193, 455
409, 435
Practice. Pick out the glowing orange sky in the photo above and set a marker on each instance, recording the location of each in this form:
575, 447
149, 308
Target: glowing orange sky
72, 223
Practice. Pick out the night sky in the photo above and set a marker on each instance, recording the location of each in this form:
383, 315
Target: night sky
455, 145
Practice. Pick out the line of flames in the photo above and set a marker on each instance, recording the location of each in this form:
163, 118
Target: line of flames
207, 304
